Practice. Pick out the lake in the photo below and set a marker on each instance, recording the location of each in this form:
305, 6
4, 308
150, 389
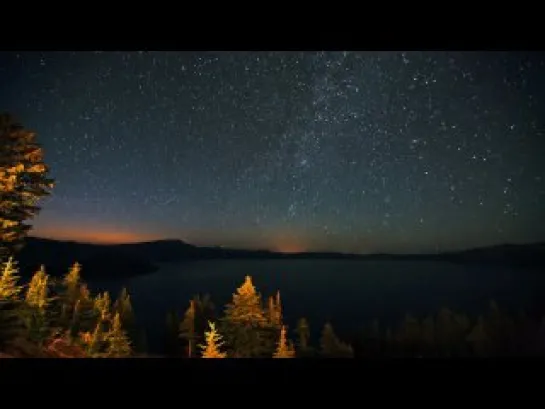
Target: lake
350, 293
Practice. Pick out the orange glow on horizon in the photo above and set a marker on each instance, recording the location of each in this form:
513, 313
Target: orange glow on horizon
95, 236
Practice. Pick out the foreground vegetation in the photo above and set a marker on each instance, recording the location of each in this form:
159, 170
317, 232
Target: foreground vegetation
60, 318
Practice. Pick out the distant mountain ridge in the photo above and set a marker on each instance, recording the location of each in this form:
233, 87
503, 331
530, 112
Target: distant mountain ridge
123, 260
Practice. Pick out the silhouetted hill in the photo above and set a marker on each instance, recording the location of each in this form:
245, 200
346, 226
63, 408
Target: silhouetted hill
123, 260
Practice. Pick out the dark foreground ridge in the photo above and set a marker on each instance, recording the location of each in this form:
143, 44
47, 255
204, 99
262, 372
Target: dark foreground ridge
124, 260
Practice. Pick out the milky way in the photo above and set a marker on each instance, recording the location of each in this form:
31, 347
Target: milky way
344, 151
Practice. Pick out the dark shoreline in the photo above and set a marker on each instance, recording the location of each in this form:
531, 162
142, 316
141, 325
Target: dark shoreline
129, 260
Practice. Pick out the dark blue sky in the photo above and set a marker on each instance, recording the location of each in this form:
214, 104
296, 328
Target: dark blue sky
353, 151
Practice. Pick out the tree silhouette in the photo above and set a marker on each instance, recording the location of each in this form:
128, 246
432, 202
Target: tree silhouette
303, 338
23, 182
332, 346
187, 329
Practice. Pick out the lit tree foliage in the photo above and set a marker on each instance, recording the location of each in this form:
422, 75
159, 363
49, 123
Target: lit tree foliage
103, 306
247, 331
213, 343
187, 329
36, 301
284, 350
11, 324
123, 306
118, 343
23, 182
333, 347
36, 295
9, 290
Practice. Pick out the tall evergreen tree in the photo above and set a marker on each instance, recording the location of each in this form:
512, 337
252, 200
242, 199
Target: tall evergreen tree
247, 331
117, 341
187, 329
9, 290
284, 350
23, 182
34, 311
11, 323
303, 338
479, 339
213, 343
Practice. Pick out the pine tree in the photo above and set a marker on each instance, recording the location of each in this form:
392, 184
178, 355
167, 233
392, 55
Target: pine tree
117, 341
187, 329
123, 306
332, 346
36, 295
103, 306
94, 341
303, 338
69, 295
11, 322
213, 343
246, 307
9, 290
247, 331
23, 182
34, 311
284, 350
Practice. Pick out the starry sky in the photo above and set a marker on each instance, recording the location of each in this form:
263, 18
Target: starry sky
290, 151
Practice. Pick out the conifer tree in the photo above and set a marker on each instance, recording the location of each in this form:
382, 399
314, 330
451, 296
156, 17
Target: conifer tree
118, 343
332, 346
11, 324
103, 306
123, 306
247, 331
9, 290
187, 329
94, 342
213, 343
284, 350
34, 311
303, 338
23, 182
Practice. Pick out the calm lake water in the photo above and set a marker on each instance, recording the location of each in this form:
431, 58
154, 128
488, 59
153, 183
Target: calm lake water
350, 293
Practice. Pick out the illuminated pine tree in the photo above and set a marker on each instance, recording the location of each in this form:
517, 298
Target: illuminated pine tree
9, 290
123, 305
284, 350
187, 329
23, 182
332, 346
69, 294
245, 326
274, 310
11, 323
93, 342
34, 311
246, 307
103, 306
36, 295
213, 343
117, 341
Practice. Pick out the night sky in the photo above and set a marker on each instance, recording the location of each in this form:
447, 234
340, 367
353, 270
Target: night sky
290, 151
